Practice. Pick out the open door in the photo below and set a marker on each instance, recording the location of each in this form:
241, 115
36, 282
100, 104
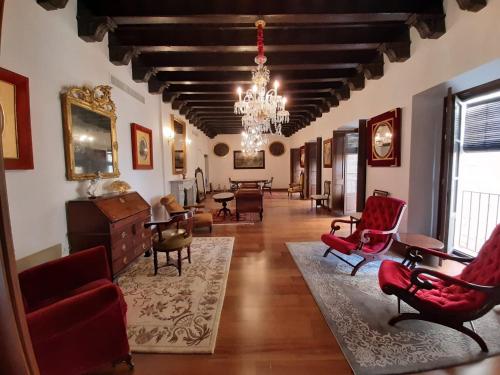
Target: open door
345, 145
295, 168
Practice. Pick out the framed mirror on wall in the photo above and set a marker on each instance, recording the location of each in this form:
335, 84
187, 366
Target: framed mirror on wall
179, 152
384, 134
89, 121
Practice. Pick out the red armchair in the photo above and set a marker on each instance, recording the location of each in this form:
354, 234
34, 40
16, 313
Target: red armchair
446, 300
75, 314
373, 236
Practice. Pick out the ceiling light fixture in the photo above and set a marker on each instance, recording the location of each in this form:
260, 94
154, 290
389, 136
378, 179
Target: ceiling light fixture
263, 110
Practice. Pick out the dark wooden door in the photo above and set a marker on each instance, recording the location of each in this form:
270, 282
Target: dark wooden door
338, 173
295, 167
311, 168
319, 164
362, 152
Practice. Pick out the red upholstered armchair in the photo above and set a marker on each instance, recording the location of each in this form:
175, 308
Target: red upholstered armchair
450, 301
75, 314
373, 236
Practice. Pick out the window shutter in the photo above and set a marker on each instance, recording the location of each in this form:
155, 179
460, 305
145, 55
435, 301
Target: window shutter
482, 127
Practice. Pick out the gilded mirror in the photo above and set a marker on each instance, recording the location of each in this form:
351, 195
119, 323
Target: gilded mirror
200, 185
382, 141
179, 156
89, 120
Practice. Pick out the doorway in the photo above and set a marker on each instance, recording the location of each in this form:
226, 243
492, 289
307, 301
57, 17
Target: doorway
473, 208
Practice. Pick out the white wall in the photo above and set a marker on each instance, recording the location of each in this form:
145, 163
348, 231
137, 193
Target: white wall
44, 46
221, 168
470, 41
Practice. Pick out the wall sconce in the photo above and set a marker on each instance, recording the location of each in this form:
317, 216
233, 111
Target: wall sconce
188, 140
169, 134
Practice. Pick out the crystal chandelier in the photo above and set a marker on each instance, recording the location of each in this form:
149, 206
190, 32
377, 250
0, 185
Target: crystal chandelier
263, 110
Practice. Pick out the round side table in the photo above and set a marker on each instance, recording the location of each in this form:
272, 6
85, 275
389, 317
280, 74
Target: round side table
420, 240
223, 198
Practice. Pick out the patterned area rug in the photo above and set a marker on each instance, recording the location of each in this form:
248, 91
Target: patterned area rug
172, 314
357, 312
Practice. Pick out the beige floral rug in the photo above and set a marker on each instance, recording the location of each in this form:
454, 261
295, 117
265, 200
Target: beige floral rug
172, 314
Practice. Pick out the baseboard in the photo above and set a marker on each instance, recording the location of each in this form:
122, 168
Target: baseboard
42, 256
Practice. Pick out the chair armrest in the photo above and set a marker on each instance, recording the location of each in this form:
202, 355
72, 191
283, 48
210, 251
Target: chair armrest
365, 234
336, 227
413, 256
62, 275
425, 284
63, 315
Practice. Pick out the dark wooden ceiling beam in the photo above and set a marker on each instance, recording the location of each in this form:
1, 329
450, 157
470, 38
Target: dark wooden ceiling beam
472, 5
129, 40
338, 59
52, 4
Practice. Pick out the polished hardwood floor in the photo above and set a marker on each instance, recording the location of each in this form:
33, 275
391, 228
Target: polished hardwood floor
270, 322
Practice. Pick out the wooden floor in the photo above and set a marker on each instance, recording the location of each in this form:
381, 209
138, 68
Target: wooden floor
270, 322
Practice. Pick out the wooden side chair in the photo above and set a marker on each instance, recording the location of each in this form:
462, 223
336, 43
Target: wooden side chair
297, 187
268, 185
167, 240
202, 219
320, 198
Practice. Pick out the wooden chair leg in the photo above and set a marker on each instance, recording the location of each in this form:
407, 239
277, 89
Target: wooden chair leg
179, 261
155, 261
189, 253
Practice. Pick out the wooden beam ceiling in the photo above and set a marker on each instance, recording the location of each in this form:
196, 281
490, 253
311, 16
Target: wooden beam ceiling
196, 53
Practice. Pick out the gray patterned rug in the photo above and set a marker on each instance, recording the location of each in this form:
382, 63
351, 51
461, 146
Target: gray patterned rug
172, 314
357, 313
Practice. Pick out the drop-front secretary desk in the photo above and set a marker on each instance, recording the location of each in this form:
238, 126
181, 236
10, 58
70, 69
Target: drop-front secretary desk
113, 220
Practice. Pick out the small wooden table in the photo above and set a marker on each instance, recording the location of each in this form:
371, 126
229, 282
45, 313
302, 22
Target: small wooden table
420, 240
223, 198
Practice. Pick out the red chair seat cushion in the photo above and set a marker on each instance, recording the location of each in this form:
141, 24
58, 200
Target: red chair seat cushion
343, 245
394, 278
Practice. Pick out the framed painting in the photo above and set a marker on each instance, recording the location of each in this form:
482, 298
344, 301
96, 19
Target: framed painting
327, 153
142, 147
15, 106
384, 134
244, 161
302, 154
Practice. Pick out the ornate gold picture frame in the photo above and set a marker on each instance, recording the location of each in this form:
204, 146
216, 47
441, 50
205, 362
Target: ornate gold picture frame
89, 122
179, 152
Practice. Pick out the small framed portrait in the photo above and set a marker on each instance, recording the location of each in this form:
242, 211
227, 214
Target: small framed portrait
142, 147
327, 153
302, 154
15, 113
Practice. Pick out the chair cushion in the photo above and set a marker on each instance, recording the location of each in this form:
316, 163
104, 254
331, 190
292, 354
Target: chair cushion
172, 239
344, 246
203, 219
394, 278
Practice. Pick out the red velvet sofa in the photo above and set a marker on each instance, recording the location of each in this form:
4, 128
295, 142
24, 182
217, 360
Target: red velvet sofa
76, 315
